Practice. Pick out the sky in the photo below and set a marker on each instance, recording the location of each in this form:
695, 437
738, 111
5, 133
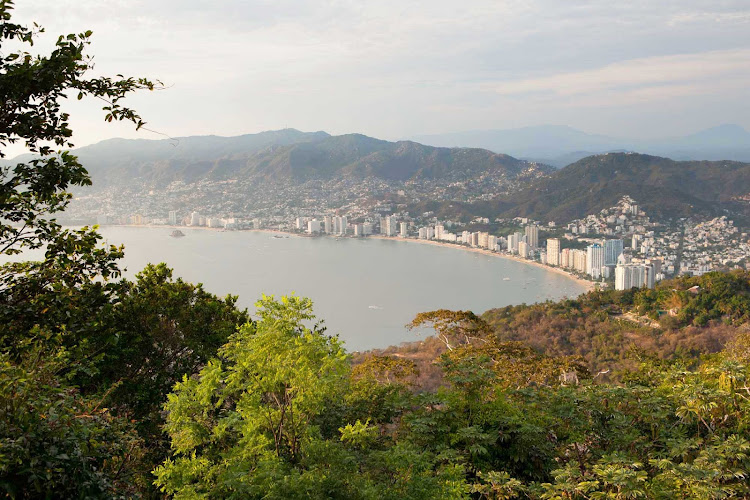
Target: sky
394, 69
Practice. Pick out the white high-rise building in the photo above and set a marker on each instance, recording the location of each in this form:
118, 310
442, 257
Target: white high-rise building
300, 224
612, 250
513, 243
635, 242
532, 236
366, 228
553, 251
313, 226
595, 260
633, 275
422, 233
173, 217
439, 230
404, 229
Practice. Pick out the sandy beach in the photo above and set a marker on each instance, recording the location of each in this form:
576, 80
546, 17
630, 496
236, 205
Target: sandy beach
589, 285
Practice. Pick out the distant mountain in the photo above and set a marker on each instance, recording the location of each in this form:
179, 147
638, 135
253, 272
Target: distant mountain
544, 141
289, 155
560, 145
663, 187
725, 142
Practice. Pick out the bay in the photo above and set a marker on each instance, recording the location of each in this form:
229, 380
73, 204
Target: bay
366, 290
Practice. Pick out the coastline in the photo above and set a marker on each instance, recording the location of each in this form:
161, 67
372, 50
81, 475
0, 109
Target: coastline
588, 285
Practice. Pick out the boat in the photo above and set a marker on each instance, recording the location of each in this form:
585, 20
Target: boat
277, 236
177, 234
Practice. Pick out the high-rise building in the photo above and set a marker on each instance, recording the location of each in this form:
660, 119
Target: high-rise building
343, 224
612, 250
513, 243
195, 219
565, 258
635, 242
388, 225
404, 229
313, 226
214, 222
328, 224
532, 236
492, 243
578, 258
439, 230
173, 217
523, 250
483, 239
634, 275
553, 251
595, 260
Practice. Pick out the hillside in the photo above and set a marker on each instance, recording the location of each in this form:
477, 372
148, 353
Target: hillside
664, 188
288, 155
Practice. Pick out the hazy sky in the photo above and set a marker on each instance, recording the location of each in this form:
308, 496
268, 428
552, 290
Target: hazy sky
394, 69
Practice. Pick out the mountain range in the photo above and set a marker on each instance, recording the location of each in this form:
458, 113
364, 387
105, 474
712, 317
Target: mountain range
501, 185
288, 155
560, 145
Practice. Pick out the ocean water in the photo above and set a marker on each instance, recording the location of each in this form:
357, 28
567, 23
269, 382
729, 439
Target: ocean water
365, 290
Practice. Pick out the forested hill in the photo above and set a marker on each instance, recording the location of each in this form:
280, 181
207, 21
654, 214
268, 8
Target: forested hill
663, 187
289, 155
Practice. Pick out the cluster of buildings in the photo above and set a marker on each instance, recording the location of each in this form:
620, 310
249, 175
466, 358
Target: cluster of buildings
603, 259
711, 244
620, 246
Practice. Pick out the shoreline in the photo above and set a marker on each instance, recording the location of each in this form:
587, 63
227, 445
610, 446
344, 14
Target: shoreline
588, 285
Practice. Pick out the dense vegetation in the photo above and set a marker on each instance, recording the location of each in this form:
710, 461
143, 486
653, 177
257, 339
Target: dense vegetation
281, 414
152, 387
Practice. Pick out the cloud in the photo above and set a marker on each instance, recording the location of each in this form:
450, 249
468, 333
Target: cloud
395, 68
653, 77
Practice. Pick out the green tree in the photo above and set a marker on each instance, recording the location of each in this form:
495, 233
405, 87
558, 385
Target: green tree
244, 426
55, 440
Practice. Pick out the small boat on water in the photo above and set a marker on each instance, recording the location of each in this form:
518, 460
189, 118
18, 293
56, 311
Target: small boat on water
177, 234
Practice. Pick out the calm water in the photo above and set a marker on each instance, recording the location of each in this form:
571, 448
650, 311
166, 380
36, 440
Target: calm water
366, 290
